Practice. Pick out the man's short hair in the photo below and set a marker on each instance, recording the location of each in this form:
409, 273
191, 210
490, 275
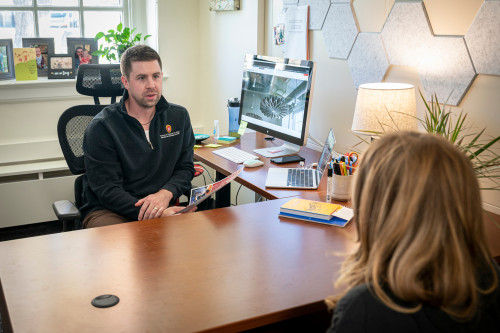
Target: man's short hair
137, 53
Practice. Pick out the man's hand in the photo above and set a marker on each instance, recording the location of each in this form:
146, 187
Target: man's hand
154, 204
174, 209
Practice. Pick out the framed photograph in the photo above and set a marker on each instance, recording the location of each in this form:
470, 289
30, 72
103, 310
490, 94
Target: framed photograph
6, 60
43, 47
61, 66
81, 49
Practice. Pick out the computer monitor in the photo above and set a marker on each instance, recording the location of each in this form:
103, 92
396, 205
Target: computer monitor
276, 100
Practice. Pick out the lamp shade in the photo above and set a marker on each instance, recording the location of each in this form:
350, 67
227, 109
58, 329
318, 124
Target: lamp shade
385, 107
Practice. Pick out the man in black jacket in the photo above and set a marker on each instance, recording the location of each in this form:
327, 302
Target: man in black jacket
139, 151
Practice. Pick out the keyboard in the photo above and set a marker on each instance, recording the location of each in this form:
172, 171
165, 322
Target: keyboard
235, 155
300, 177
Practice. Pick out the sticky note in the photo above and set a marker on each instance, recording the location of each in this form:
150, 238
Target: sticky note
212, 145
243, 127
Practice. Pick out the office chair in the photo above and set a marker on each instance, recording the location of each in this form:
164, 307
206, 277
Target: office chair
96, 81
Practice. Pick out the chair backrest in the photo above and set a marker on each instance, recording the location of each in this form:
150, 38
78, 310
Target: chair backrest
100, 81
70, 129
93, 80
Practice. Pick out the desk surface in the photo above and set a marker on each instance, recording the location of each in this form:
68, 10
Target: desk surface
226, 269
255, 178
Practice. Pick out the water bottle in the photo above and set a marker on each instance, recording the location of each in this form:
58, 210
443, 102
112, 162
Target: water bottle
233, 107
216, 130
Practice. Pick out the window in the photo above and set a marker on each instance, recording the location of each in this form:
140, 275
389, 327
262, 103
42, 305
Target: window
59, 19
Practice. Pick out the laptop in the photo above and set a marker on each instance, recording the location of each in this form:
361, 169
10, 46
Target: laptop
302, 178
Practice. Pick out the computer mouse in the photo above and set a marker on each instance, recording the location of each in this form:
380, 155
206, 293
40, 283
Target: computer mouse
252, 163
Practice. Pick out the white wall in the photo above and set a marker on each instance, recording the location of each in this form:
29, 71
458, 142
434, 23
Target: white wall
179, 48
225, 38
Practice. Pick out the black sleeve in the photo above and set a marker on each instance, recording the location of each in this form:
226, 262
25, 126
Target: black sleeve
104, 172
180, 182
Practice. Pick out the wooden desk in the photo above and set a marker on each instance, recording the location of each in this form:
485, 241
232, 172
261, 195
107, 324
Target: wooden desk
255, 178
228, 269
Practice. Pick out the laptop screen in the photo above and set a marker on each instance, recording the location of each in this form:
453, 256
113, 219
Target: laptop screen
326, 154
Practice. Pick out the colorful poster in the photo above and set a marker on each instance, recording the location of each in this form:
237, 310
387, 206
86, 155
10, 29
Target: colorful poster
25, 64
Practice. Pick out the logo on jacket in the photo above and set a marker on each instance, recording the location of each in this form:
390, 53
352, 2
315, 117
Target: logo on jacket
169, 133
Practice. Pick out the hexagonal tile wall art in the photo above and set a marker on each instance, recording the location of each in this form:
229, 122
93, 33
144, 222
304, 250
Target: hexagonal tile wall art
447, 65
406, 33
340, 30
445, 69
317, 12
368, 61
483, 39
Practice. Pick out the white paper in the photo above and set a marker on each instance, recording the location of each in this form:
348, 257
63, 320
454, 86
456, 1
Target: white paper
344, 213
296, 34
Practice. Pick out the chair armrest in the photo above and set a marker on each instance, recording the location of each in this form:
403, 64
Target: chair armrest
66, 210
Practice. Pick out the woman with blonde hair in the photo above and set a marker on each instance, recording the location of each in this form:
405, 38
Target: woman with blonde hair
422, 264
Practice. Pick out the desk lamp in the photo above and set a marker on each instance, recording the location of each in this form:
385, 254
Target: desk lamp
385, 107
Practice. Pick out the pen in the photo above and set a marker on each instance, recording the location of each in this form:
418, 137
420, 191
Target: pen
329, 185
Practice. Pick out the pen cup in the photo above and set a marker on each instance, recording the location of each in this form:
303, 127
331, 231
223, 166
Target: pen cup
341, 187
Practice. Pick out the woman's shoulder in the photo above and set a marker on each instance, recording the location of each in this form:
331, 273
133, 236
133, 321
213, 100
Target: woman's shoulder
361, 311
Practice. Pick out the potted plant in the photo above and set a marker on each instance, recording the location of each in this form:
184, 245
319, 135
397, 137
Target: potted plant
475, 144
117, 41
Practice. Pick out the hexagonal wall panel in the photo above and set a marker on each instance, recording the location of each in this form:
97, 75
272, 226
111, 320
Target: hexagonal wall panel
446, 69
317, 12
368, 61
483, 39
406, 33
340, 30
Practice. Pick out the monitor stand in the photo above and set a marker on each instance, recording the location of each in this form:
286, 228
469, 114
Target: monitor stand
286, 149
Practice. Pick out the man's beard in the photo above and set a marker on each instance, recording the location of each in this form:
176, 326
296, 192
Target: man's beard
142, 101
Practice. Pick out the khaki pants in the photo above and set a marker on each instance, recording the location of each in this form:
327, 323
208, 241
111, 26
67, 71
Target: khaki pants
99, 218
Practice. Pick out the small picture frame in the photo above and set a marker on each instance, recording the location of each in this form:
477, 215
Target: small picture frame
81, 49
61, 66
6, 60
279, 34
44, 47
222, 5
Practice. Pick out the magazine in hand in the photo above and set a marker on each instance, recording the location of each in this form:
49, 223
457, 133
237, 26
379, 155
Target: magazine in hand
200, 194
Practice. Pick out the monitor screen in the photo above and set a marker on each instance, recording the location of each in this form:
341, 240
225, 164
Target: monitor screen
276, 97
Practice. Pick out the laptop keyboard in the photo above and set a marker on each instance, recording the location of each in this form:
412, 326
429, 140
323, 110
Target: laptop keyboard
300, 177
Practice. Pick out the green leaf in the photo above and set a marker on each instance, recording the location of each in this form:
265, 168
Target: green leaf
119, 27
486, 146
99, 35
